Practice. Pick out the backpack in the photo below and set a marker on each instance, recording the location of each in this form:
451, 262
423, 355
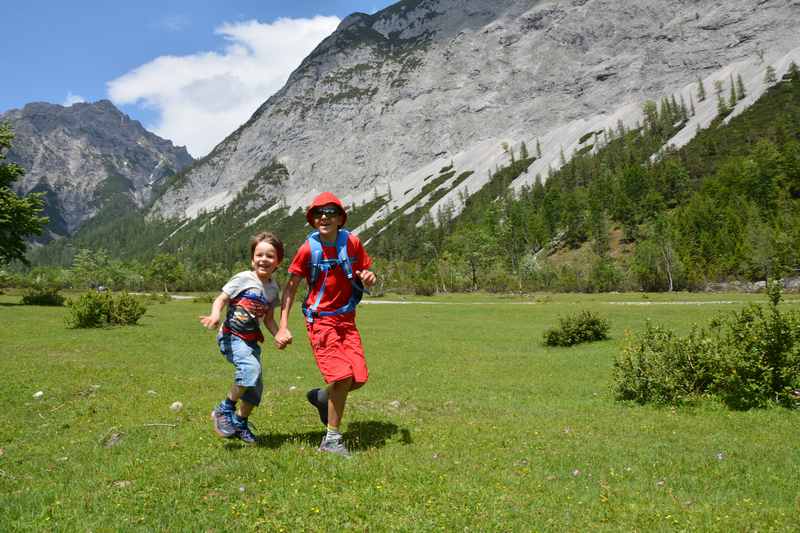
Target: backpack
320, 265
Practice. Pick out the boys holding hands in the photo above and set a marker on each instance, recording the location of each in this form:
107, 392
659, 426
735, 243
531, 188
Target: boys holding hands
336, 267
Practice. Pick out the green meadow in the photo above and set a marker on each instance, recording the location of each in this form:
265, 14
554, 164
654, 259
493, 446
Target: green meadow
468, 423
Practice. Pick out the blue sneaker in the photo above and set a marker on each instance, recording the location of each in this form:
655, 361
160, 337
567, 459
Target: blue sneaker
322, 406
223, 421
243, 432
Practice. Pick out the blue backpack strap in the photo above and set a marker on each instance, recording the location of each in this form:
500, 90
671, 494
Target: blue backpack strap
318, 264
315, 245
341, 253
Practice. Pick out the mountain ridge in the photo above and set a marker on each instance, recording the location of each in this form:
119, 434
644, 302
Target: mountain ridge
78, 155
390, 98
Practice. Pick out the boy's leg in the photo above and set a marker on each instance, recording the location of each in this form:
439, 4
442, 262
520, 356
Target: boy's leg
337, 398
245, 408
245, 356
319, 399
251, 398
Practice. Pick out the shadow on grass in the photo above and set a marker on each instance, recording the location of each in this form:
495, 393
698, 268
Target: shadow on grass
9, 304
359, 436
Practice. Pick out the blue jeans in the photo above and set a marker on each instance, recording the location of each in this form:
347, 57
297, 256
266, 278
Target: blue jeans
246, 357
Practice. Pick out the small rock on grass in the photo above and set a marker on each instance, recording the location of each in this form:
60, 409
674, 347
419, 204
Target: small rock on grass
112, 439
38, 395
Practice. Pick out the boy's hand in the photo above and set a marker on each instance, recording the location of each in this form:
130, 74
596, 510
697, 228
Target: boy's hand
210, 322
283, 338
367, 277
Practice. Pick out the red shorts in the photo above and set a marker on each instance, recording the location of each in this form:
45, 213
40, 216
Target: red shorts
337, 348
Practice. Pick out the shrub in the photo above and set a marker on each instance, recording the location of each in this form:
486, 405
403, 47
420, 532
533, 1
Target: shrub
758, 356
42, 296
660, 367
748, 358
424, 286
90, 310
125, 310
96, 309
574, 329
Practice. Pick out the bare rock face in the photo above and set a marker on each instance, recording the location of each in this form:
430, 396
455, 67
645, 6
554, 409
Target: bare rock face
78, 155
390, 98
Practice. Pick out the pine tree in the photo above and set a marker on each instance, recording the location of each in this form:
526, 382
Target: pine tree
733, 98
769, 75
793, 72
676, 110
538, 149
691, 105
701, 90
684, 109
523, 151
722, 106
19, 215
719, 86
740, 87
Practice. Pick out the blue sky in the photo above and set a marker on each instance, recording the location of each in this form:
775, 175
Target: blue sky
191, 71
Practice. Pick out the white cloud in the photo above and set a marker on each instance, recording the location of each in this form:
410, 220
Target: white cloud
201, 98
73, 99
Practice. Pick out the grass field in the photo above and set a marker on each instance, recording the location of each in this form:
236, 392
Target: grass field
467, 423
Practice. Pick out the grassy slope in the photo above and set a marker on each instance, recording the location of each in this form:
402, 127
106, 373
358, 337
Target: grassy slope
493, 431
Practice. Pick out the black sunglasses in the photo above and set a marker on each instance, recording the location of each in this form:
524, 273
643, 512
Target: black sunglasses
328, 210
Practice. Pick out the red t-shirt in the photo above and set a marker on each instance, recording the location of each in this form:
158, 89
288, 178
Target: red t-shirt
337, 287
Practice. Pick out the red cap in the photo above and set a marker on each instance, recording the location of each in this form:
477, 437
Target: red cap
322, 200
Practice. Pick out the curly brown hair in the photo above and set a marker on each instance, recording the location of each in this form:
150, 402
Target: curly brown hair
270, 238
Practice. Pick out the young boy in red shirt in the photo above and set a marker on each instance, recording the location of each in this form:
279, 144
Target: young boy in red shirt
335, 284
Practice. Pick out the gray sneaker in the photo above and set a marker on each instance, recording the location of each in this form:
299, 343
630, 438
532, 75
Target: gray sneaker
223, 423
334, 446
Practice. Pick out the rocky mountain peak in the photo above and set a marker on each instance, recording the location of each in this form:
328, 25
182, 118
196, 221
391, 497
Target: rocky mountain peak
77, 153
390, 98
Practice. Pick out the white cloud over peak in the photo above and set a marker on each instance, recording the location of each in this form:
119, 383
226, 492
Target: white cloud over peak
202, 98
73, 99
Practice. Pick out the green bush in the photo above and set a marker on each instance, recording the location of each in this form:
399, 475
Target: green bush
660, 367
125, 310
90, 310
424, 286
42, 296
758, 356
574, 329
97, 309
748, 358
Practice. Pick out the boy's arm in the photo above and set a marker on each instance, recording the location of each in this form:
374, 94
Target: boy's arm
284, 337
368, 277
269, 321
212, 321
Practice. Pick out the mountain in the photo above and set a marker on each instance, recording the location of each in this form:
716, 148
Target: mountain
83, 155
390, 99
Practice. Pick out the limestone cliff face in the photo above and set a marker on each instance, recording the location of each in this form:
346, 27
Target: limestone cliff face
388, 99
79, 154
